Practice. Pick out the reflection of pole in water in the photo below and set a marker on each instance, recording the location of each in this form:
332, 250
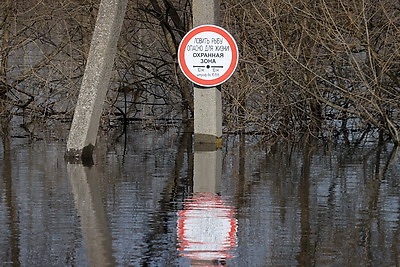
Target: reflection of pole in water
207, 225
89, 205
207, 171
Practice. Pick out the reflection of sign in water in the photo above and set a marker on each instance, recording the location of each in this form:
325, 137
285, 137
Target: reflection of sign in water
207, 228
208, 55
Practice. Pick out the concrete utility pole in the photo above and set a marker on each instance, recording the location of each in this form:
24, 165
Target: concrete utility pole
83, 133
207, 101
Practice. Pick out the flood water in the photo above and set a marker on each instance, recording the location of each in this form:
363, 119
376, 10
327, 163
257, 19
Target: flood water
153, 199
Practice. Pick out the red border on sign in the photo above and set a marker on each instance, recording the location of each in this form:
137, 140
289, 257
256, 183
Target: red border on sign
182, 61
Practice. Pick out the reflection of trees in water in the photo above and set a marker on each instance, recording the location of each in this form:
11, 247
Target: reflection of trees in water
179, 184
310, 204
328, 202
12, 249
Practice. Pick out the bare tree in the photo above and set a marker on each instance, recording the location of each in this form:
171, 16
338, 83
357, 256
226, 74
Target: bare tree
327, 68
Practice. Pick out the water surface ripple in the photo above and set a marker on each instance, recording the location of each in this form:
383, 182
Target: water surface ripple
151, 199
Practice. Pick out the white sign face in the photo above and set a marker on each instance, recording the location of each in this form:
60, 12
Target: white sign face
208, 55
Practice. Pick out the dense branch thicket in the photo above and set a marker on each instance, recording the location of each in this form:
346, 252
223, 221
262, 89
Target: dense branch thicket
325, 67
329, 68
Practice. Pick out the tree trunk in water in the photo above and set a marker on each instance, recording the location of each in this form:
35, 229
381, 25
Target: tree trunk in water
4, 51
5, 38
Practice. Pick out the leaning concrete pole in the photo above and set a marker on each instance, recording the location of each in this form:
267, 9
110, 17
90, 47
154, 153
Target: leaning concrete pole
84, 128
207, 101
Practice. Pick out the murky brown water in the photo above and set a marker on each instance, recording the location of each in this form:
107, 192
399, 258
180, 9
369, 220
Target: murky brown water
152, 200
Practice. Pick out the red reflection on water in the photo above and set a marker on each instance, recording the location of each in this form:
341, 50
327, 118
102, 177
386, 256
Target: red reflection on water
206, 228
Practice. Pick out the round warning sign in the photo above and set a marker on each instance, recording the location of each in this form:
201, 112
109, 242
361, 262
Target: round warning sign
208, 55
